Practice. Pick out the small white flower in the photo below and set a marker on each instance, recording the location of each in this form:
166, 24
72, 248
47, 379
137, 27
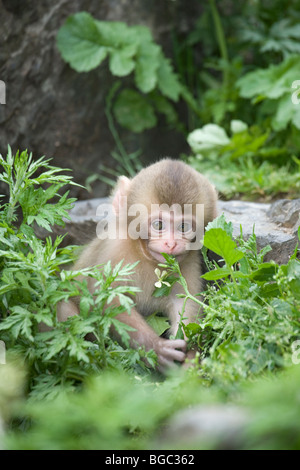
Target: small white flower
160, 276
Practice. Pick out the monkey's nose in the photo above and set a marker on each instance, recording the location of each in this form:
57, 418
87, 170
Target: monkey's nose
170, 244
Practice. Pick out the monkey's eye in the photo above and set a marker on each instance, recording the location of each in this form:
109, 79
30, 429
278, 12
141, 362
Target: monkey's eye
184, 227
158, 225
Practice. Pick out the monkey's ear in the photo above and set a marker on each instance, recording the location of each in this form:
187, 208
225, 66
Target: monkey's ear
120, 194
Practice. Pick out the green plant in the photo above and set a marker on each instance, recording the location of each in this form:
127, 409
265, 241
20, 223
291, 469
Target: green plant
249, 162
116, 411
251, 310
85, 43
33, 281
275, 85
250, 324
281, 37
127, 164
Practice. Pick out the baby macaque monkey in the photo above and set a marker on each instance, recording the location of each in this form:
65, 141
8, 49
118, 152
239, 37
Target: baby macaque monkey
163, 209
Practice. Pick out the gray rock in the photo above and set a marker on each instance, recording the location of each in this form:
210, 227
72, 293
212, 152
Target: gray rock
275, 224
81, 228
217, 426
286, 213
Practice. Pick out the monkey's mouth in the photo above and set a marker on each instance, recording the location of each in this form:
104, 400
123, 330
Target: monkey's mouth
159, 257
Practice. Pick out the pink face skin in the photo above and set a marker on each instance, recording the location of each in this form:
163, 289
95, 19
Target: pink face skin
170, 233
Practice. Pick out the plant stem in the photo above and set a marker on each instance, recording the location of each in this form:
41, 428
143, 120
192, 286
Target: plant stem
110, 120
234, 281
189, 296
221, 41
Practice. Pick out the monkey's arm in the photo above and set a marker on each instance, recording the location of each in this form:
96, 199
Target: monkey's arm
167, 350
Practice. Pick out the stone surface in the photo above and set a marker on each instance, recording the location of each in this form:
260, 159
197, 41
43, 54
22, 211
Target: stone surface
275, 224
218, 425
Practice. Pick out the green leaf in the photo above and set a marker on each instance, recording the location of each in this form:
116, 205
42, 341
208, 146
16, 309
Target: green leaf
264, 273
217, 240
19, 323
217, 273
293, 276
167, 80
192, 329
165, 290
221, 222
80, 44
286, 112
209, 137
147, 63
158, 323
273, 82
133, 111
179, 333
121, 61
115, 34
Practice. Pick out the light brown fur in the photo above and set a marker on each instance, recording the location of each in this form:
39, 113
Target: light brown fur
167, 181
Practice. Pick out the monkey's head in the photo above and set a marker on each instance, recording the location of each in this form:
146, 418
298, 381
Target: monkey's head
165, 207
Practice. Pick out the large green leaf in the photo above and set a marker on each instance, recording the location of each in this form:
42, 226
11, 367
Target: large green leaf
293, 276
168, 82
80, 44
217, 240
286, 112
121, 61
273, 82
210, 136
159, 323
133, 111
146, 66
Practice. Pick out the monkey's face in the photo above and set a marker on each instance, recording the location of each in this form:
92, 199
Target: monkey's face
170, 233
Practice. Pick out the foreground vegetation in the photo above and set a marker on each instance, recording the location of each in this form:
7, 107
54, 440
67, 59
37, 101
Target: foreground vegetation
103, 391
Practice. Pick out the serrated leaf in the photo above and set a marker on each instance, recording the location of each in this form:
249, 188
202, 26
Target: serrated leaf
158, 323
42, 222
217, 240
147, 63
221, 222
167, 79
273, 82
19, 322
293, 275
56, 345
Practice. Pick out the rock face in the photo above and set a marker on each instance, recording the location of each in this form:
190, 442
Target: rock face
217, 425
275, 224
54, 111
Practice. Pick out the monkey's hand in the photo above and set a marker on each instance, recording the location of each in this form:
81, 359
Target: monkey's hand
168, 351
